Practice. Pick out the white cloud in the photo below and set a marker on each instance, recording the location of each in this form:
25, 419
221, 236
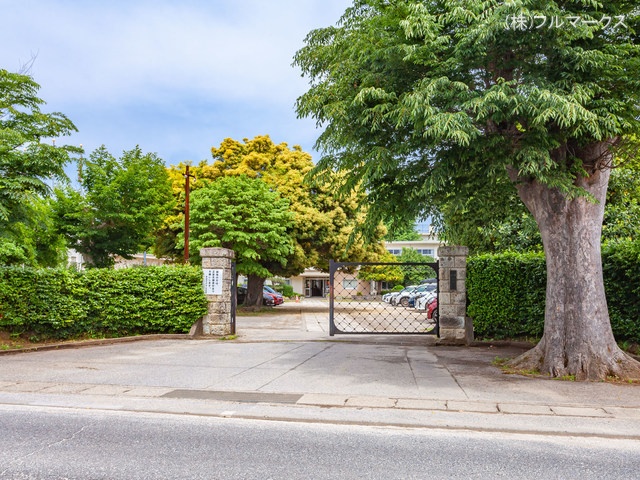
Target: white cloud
164, 73
130, 51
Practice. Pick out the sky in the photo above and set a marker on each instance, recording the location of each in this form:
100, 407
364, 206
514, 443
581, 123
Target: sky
174, 77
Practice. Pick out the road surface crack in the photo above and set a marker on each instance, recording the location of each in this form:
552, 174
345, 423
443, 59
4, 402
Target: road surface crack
22, 459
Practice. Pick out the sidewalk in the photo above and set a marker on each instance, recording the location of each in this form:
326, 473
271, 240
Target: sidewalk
286, 367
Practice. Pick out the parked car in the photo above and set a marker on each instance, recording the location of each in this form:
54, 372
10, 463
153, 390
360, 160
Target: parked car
277, 296
423, 290
401, 293
386, 298
267, 298
403, 296
241, 294
432, 309
422, 302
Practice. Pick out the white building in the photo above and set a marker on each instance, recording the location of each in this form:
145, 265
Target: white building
315, 283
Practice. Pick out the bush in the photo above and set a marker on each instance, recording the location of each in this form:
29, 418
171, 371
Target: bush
100, 302
284, 289
621, 269
42, 301
506, 292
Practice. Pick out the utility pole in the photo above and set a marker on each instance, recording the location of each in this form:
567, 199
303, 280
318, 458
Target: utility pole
186, 214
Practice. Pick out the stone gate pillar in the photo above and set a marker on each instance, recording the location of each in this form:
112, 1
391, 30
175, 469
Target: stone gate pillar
455, 327
217, 281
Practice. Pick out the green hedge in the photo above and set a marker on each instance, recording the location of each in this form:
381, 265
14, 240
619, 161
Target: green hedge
64, 303
506, 292
621, 269
284, 289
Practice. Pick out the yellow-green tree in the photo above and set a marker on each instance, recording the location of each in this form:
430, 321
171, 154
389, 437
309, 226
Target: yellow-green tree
387, 271
322, 223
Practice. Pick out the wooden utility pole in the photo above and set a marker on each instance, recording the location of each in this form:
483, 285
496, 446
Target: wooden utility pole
186, 214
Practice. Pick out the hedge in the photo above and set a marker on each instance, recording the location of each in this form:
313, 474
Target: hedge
621, 269
100, 302
506, 292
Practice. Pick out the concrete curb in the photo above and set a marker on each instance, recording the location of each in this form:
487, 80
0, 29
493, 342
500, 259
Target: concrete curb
97, 342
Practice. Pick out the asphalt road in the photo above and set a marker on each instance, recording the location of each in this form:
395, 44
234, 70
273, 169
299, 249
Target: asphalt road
53, 443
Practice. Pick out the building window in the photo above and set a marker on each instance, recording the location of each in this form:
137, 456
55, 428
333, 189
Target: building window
349, 283
426, 251
394, 251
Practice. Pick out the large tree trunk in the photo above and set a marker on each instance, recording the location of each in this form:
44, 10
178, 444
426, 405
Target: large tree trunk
577, 338
254, 291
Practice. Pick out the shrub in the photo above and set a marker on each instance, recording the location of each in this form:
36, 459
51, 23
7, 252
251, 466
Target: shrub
621, 269
284, 289
42, 301
506, 294
100, 302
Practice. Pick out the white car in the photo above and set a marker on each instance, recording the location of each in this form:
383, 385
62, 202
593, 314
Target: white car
406, 291
423, 301
386, 298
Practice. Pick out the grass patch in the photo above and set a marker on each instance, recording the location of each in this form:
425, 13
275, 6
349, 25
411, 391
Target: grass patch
500, 361
503, 364
228, 337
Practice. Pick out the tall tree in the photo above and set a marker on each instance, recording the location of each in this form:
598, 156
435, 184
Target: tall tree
30, 238
322, 223
386, 271
29, 159
120, 206
244, 215
402, 231
414, 274
420, 100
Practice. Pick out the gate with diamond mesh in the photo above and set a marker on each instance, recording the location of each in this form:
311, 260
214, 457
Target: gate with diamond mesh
359, 305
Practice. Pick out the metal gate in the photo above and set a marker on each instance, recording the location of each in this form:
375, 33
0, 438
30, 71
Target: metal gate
358, 304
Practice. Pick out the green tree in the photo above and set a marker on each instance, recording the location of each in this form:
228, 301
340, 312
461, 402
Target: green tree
323, 224
414, 274
502, 223
402, 232
387, 271
121, 204
28, 159
31, 238
424, 101
243, 214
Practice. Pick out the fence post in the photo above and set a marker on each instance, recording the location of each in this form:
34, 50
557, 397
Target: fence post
455, 327
218, 281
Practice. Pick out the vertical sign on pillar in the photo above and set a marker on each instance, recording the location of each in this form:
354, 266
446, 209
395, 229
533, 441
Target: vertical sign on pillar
212, 280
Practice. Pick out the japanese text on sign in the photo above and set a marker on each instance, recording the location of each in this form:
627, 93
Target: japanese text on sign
212, 281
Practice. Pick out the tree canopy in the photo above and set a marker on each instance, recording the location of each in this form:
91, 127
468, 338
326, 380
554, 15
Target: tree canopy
119, 207
244, 215
322, 223
29, 163
426, 103
424, 100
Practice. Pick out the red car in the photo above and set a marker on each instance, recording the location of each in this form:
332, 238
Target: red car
278, 299
432, 309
